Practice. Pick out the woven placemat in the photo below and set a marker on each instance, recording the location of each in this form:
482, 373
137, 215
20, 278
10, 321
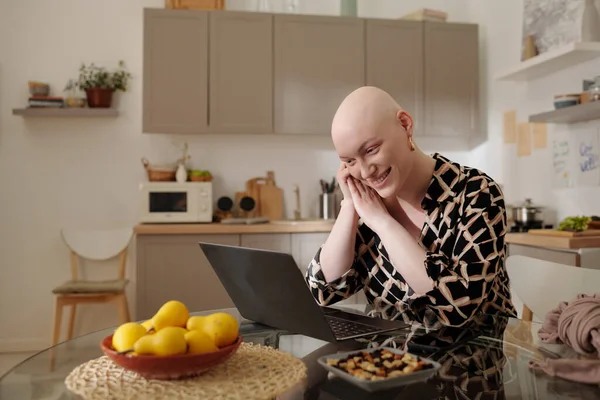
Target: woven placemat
253, 372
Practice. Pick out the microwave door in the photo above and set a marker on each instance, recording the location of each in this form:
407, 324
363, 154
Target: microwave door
168, 202
169, 205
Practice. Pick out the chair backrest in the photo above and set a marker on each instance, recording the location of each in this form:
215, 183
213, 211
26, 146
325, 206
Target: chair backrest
542, 285
97, 245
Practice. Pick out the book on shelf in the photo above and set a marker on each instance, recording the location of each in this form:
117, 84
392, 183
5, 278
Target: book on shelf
46, 101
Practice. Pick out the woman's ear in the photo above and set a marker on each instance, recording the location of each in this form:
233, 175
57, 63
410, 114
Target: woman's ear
406, 121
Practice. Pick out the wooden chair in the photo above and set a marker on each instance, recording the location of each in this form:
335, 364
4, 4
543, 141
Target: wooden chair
92, 245
542, 285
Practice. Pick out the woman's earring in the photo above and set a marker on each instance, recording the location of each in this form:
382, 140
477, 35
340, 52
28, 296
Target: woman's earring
411, 144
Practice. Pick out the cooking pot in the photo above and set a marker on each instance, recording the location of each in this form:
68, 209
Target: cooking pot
526, 213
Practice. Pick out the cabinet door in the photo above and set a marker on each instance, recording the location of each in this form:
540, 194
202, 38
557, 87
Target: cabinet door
173, 267
268, 241
394, 62
451, 80
241, 72
175, 78
319, 60
304, 248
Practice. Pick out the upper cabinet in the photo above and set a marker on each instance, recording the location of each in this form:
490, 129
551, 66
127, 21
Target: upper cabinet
207, 72
175, 75
451, 80
394, 63
245, 72
241, 72
318, 61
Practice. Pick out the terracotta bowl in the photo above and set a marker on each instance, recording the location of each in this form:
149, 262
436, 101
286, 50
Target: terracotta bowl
169, 367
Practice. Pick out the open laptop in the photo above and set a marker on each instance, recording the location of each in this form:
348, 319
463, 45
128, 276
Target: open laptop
268, 287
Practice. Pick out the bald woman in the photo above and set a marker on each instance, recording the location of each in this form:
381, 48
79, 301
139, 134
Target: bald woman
422, 236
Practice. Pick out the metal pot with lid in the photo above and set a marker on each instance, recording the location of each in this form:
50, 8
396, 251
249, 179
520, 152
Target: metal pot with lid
527, 213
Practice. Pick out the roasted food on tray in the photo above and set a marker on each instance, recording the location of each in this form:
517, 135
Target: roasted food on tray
379, 364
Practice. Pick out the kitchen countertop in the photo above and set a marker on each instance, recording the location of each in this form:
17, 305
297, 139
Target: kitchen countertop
284, 226
559, 242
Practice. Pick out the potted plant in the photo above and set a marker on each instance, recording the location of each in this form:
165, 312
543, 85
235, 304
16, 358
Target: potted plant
99, 84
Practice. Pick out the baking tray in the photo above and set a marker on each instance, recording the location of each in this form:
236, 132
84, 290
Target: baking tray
384, 384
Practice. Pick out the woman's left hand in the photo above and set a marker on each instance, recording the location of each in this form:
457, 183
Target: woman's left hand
368, 204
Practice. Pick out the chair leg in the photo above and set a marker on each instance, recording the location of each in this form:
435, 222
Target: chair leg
58, 308
123, 308
71, 320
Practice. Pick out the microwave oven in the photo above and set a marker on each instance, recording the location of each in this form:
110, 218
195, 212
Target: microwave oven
174, 202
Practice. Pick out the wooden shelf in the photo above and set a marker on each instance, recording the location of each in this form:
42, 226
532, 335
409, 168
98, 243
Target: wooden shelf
569, 115
552, 61
66, 112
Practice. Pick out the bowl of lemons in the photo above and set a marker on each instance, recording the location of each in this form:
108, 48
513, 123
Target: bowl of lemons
172, 344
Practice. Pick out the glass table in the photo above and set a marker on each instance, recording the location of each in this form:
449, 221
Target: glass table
486, 360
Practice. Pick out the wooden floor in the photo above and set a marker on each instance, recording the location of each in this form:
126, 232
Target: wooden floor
9, 360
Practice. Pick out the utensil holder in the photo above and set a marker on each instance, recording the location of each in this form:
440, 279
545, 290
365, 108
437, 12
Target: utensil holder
327, 208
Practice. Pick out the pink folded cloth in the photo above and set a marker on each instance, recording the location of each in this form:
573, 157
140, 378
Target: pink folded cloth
577, 325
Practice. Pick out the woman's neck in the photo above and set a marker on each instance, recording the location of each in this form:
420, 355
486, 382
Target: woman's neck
414, 189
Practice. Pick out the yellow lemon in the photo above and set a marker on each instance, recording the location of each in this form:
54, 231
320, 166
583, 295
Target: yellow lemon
147, 324
195, 322
199, 342
126, 335
222, 328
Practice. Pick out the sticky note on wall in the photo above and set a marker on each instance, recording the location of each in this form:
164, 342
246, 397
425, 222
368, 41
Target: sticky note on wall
523, 139
510, 126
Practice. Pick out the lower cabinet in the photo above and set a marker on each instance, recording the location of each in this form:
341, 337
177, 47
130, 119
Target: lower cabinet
304, 248
564, 256
174, 267
281, 242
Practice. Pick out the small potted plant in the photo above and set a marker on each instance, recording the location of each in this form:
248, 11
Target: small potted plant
99, 84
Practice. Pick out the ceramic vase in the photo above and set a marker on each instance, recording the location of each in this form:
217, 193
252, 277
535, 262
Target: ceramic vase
181, 174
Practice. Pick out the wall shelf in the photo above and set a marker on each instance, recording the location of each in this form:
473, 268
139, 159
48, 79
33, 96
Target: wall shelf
65, 112
569, 115
552, 61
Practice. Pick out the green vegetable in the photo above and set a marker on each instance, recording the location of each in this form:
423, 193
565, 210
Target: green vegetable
198, 172
576, 224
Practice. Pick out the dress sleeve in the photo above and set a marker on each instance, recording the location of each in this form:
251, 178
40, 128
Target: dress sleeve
463, 283
327, 293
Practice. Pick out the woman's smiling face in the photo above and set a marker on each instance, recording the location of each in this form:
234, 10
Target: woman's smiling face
378, 154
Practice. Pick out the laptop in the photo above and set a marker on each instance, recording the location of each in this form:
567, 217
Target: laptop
268, 287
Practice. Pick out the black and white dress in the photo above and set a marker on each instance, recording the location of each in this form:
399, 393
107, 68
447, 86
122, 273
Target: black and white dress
463, 235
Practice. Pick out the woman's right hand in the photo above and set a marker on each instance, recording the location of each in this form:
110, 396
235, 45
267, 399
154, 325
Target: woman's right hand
342, 177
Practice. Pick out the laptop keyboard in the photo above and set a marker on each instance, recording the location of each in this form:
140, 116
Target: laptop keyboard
343, 328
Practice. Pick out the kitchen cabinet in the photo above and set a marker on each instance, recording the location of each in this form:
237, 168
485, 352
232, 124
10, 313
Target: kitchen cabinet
175, 78
561, 256
451, 80
281, 242
246, 72
318, 61
304, 248
241, 72
174, 267
394, 62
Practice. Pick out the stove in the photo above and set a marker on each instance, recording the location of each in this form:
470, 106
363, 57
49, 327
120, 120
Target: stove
520, 227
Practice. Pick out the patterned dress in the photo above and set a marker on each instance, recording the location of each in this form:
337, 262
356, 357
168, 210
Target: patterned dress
463, 236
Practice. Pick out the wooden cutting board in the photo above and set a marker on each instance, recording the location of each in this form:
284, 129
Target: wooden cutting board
271, 198
253, 191
556, 232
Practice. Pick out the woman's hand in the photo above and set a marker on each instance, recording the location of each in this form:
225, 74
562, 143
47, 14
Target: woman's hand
342, 177
368, 204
